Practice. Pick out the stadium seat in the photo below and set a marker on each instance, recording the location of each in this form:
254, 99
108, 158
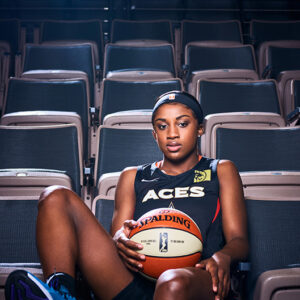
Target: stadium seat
218, 61
266, 30
77, 31
237, 120
281, 57
120, 95
257, 148
119, 148
268, 58
19, 193
144, 32
61, 61
43, 147
222, 96
201, 31
273, 204
139, 62
50, 102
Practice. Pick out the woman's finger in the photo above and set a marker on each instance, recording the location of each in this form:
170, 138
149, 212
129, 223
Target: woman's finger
213, 270
131, 263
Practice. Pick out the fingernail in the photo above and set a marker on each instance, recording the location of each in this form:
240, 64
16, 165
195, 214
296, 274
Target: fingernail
142, 257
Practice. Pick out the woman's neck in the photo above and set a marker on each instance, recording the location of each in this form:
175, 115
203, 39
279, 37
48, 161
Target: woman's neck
171, 167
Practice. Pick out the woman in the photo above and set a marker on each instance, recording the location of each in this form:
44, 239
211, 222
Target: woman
68, 235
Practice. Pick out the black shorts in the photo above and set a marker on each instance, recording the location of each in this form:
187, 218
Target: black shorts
139, 289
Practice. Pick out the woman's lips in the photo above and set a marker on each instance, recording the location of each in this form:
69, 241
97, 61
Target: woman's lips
173, 147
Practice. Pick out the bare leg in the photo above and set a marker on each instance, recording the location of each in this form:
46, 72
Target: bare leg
68, 234
183, 284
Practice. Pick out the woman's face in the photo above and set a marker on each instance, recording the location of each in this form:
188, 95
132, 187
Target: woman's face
176, 131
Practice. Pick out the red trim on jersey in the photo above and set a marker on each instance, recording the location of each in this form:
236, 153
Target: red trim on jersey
159, 163
217, 210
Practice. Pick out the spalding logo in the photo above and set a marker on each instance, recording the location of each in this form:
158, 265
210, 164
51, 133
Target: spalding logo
168, 218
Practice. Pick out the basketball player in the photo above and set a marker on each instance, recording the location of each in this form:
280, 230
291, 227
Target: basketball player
69, 236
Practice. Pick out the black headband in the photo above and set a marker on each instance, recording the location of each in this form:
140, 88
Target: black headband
179, 97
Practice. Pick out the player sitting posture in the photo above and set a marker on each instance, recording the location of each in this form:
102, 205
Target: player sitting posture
70, 237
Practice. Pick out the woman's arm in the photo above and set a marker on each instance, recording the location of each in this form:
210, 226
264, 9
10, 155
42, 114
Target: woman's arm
122, 222
234, 221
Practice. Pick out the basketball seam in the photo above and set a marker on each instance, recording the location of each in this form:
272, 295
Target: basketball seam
169, 228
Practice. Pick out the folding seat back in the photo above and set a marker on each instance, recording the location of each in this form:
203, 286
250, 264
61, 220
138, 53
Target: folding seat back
235, 120
273, 205
221, 96
156, 31
52, 57
139, 62
279, 59
118, 95
123, 147
77, 31
200, 31
259, 149
54, 96
265, 30
46, 147
209, 60
265, 59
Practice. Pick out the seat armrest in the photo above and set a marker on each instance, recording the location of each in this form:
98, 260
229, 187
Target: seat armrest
274, 280
294, 117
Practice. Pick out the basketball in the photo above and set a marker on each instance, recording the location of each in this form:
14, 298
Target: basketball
171, 239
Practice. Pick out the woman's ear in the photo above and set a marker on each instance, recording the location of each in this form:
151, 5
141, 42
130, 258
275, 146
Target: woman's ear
154, 134
200, 130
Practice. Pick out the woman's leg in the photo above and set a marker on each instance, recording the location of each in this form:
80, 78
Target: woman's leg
68, 234
183, 284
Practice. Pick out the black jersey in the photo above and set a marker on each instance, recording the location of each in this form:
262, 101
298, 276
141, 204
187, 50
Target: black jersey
195, 192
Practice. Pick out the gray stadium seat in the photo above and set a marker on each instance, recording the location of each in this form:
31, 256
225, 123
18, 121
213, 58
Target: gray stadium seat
139, 62
150, 31
45, 98
218, 61
44, 147
128, 95
222, 96
273, 205
119, 148
19, 193
237, 120
259, 149
76, 31
199, 31
73, 59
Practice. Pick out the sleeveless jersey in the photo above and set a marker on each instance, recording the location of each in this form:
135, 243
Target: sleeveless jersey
195, 192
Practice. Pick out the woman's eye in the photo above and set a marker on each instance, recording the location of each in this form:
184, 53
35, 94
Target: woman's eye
161, 126
183, 124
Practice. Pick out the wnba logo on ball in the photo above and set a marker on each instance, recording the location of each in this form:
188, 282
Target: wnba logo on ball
163, 242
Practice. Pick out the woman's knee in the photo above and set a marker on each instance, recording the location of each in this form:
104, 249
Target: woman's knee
57, 194
174, 283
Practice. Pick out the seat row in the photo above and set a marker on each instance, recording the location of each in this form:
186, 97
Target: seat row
35, 101
205, 60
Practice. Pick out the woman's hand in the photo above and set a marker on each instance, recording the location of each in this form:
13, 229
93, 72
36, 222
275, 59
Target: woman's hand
219, 268
128, 249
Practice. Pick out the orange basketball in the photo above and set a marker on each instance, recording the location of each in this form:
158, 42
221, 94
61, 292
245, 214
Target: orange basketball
171, 239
